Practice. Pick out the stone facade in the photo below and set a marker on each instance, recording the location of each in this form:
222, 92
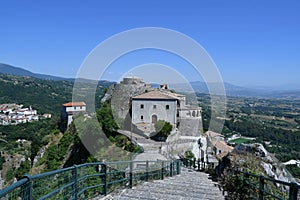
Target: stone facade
150, 111
162, 104
131, 93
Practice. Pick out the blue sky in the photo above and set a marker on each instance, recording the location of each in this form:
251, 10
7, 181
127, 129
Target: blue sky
252, 42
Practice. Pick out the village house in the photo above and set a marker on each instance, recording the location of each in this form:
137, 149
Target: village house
16, 114
71, 109
216, 144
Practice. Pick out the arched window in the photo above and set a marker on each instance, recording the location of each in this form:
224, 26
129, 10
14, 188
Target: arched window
142, 117
142, 106
154, 119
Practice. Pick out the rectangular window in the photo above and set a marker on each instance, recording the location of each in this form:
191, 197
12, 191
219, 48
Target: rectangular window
154, 106
167, 107
142, 117
142, 106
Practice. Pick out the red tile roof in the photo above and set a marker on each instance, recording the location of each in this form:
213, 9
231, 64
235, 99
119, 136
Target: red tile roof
222, 145
70, 104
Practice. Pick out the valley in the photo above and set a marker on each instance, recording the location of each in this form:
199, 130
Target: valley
273, 122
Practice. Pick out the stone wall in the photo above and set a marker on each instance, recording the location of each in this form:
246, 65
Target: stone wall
190, 126
120, 95
151, 108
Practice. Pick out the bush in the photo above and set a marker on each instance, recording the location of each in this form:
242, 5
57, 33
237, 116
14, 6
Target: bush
189, 155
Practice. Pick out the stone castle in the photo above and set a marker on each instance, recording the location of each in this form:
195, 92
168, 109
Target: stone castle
137, 106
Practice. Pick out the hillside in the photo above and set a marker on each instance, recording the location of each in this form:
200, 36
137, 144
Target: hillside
17, 71
22, 145
47, 96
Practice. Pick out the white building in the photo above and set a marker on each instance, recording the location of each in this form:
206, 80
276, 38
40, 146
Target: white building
72, 108
161, 104
153, 106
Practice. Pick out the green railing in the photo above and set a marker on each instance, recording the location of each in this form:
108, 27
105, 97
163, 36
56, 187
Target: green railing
268, 188
260, 187
197, 164
89, 180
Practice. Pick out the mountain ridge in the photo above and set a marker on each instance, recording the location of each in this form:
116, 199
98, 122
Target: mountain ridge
194, 86
18, 71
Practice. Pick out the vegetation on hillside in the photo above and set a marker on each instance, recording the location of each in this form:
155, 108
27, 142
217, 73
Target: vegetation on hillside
110, 127
47, 96
24, 141
274, 121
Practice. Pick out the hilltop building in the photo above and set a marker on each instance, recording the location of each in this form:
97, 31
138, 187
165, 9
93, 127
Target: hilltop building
162, 104
137, 106
69, 110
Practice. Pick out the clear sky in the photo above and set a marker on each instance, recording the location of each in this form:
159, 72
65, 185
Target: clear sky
253, 42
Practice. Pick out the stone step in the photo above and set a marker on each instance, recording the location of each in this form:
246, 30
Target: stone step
188, 185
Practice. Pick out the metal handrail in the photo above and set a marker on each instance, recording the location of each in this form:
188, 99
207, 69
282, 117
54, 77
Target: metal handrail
260, 184
88, 179
292, 192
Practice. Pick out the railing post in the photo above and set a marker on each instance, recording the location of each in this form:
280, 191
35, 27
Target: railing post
293, 192
104, 178
186, 162
171, 168
147, 170
261, 188
130, 174
178, 167
27, 194
162, 170
75, 185
194, 163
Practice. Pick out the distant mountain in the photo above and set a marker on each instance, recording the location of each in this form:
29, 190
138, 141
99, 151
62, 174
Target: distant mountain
283, 92
233, 90
17, 71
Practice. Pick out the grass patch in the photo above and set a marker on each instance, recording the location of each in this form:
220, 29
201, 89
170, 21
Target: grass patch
240, 140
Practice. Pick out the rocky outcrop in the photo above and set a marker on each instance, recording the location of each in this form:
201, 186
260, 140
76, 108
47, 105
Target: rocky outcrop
120, 95
256, 158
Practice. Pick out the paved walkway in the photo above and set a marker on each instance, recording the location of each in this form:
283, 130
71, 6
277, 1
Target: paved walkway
151, 147
189, 185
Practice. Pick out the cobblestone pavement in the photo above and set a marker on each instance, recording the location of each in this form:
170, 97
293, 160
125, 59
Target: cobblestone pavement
189, 185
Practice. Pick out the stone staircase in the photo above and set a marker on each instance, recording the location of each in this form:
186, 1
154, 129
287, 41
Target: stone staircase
188, 185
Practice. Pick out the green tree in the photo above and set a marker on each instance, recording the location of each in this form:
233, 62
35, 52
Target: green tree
163, 128
189, 155
23, 169
106, 119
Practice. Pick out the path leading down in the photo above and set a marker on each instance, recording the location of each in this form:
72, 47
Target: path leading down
188, 185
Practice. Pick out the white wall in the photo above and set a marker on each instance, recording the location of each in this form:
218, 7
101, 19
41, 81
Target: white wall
75, 108
148, 110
